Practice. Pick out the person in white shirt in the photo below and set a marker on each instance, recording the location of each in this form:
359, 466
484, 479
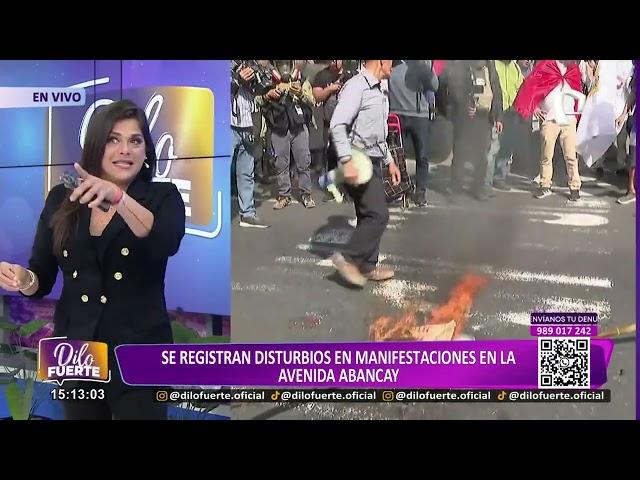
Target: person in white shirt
608, 87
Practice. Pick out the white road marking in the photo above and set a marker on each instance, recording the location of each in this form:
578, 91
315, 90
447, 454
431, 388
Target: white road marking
399, 293
256, 288
516, 318
584, 281
451, 267
572, 219
583, 205
590, 203
559, 304
559, 248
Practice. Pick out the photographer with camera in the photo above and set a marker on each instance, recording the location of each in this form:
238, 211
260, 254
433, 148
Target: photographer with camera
261, 151
242, 108
474, 99
287, 109
328, 84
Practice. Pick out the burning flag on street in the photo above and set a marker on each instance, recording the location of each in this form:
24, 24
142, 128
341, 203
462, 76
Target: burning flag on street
447, 321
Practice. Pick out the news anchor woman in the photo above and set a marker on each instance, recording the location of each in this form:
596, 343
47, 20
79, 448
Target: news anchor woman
113, 262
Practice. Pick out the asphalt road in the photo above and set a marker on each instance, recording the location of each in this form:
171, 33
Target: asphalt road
545, 254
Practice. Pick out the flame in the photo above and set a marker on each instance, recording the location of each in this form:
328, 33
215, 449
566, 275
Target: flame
446, 323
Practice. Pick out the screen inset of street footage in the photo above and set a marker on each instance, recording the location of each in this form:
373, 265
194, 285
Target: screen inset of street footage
513, 198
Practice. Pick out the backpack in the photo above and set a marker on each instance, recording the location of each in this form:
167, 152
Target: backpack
414, 79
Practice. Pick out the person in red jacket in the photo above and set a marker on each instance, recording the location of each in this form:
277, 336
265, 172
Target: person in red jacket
549, 93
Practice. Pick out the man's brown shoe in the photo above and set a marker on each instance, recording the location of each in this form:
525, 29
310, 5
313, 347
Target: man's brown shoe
348, 271
379, 274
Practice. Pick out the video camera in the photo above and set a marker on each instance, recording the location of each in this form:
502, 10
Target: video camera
285, 78
477, 88
474, 94
262, 81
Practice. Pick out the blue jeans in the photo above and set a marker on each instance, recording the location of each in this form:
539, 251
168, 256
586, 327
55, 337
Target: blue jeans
243, 163
494, 149
497, 161
513, 141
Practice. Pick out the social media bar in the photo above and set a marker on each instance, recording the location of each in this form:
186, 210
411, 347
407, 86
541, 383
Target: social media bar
381, 396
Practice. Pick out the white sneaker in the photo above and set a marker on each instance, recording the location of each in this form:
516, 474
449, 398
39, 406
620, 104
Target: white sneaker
628, 198
353, 222
252, 222
536, 180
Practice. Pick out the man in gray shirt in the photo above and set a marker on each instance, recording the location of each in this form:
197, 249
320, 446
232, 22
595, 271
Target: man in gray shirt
360, 121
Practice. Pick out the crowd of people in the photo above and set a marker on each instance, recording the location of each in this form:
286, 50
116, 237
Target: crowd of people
504, 114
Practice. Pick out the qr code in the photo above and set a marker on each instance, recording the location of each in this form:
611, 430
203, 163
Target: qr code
564, 362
